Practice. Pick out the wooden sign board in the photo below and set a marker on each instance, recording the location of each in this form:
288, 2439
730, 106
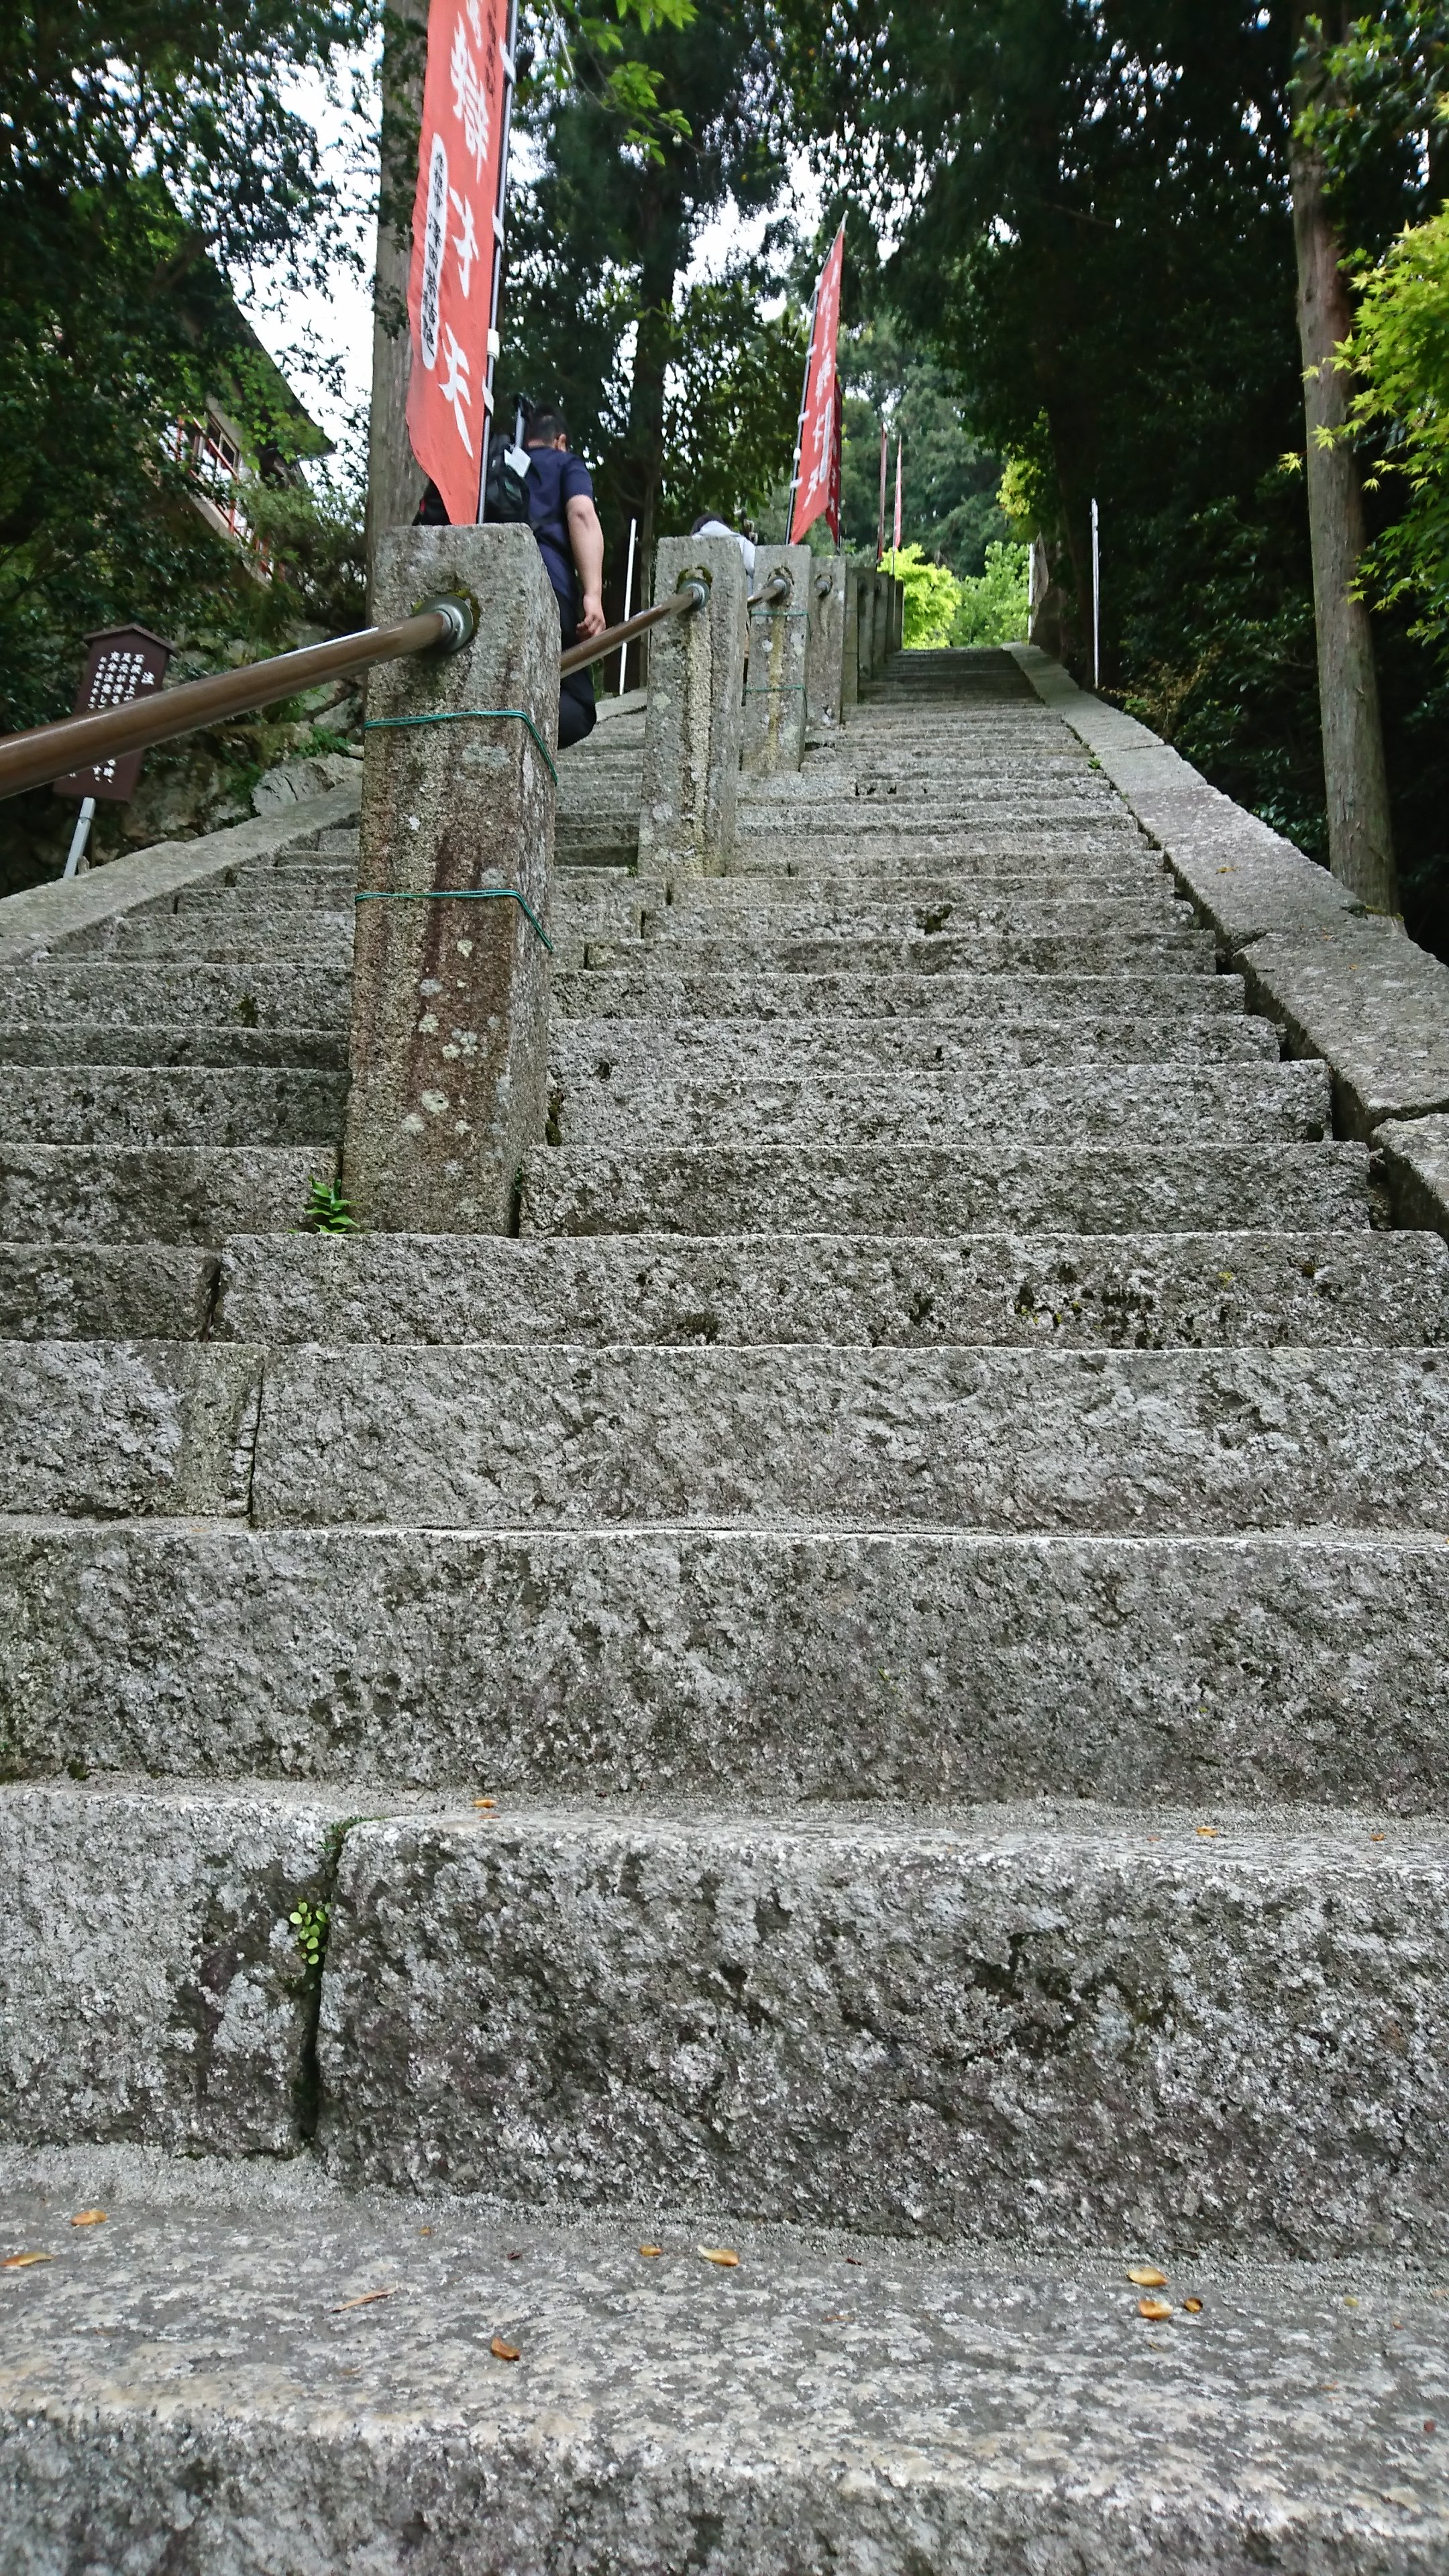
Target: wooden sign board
123, 662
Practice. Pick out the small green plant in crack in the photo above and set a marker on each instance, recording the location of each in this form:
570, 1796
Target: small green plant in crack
309, 1921
328, 1209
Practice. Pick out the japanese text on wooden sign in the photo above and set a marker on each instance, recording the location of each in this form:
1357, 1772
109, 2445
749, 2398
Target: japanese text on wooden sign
816, 448
123, 662
457, 244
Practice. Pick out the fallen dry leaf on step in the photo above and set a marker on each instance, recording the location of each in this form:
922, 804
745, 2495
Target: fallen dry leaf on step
19, 2262
720, 2254
502, 2351
364, 2300
1155, 2309
651, 2249
1193, 2307
1147, 2276
89, 2218
485, 1802
1206, 1833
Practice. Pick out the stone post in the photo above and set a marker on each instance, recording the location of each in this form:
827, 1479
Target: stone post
880, 625
696, 707
450, 998
865, 617
850, 641
774, 715
825, 639
898, 613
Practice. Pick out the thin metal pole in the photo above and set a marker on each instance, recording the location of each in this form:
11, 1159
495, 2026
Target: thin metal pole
1096, 599
628, 595
885, 449
510, 56
79, 837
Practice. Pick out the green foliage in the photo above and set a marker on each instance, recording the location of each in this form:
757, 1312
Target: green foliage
932, 595
1400, 355
992, 607
948, 485
310, 1922
328, 1211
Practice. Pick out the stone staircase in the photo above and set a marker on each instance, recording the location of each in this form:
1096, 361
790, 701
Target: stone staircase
645, 1861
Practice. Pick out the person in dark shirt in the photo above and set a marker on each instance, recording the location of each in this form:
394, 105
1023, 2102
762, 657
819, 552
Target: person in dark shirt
566, 524
564, 520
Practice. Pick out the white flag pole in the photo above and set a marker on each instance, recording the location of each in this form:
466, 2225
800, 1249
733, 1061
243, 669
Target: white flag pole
628, 595
1096, 599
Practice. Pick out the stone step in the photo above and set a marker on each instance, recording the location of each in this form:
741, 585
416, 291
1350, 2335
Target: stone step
657, 989
80, 1042
164, 1194
478, 1437
1139, 1291
138, 1105
1150, 1104
849, 884
152, 1985
192, 2371
1002, 2022
753, 1663
167, 997
1006, 2023
214, 936
698, 914
930, 1190
838, 835
579, 1049
101, 1291
1122, 945
262, 892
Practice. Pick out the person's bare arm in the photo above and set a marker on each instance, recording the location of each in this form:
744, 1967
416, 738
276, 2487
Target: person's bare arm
586, 537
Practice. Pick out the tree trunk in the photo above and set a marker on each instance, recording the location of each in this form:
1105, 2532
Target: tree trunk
1360, 837
394, 478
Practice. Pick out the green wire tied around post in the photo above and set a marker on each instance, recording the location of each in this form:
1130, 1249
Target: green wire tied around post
463, 894
459, 894
461, 715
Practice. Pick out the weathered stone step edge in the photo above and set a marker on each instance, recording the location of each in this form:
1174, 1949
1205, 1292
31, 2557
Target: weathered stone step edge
177, 996
139, 1106
1122, 948
579, 1046
929, 1190
831, 2402
713, 1106
801, 1436
102, 1291
738, 1662
1139, 1291
194, 939
657, 990
81, 1042
989, 2022
867, 914
59, 1194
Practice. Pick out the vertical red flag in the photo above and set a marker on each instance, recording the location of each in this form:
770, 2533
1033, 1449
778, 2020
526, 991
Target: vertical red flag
815, 438
900, 451
458, 243
885, 449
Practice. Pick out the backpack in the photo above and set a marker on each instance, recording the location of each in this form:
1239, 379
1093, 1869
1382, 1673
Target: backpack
505, 488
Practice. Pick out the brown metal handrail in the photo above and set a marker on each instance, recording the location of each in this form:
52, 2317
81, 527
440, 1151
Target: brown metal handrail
51, 751
778, 587
690, 594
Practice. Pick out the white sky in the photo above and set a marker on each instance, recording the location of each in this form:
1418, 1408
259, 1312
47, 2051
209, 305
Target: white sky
339, 321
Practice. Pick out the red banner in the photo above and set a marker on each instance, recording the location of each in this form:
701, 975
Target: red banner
457, 234
815, 443
837, 464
